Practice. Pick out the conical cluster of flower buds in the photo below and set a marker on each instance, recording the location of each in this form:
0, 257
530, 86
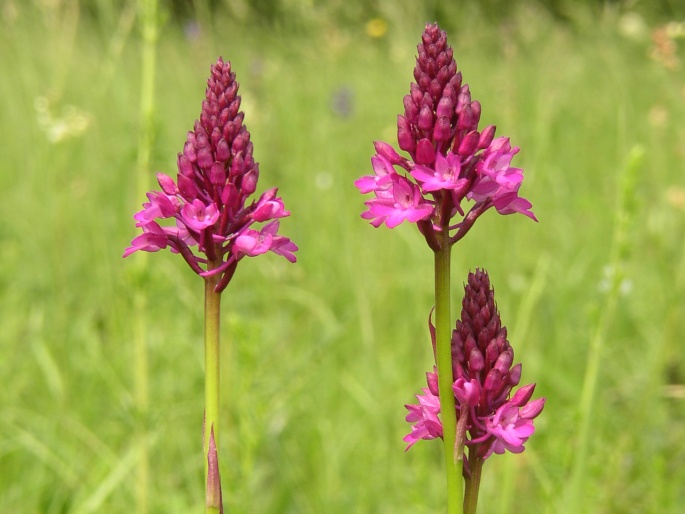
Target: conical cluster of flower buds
450, 159
216, 176
483, 379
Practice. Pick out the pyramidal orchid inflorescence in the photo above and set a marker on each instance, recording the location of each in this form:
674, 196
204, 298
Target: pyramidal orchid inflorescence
483, 379
449, 158
215, 224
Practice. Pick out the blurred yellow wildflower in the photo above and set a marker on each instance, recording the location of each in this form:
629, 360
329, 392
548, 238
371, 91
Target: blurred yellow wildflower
376, 27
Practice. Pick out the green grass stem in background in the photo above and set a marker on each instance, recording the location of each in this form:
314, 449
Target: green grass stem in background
336, 342
621, 243
148, 17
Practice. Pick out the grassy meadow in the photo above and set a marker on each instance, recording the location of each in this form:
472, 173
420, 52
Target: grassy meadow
101, 359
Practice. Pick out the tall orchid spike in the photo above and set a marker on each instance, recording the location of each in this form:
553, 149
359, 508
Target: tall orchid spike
450, 159
214, 220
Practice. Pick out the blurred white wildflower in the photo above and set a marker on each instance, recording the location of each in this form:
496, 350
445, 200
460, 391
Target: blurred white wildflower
72, 123
632, 26
613, 277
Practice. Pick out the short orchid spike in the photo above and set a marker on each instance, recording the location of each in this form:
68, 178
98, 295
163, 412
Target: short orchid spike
484, 376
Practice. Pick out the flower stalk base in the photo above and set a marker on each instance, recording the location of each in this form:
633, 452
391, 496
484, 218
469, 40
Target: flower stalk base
212, 360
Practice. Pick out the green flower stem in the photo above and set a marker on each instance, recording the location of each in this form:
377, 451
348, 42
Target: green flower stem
212, 351
443, 338
473, 482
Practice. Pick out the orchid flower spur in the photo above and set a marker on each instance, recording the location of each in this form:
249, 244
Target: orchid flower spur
213, 224
449, 159
483, 378
213, 219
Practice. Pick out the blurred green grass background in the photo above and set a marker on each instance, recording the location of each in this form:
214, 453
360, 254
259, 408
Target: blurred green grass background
320, 357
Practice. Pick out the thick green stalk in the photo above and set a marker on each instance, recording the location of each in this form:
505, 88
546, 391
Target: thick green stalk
212, 352
473, 483
443, 341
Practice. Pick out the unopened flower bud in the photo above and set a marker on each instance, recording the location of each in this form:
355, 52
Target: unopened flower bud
493, 380
486, 137
248, 184
469, 144
442, 130
476, 361
167, 184
425, 121
223, 151
387, 151
411, 111
445, 107
217, 174
405, 139
425, 153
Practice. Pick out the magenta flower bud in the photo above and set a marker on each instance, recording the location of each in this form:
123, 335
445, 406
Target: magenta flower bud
523, 395
217, 174
486, 137
416, 93
533, 409
442, 130
475, 112
504, 361
476, 361
204, 159
248, 184
185, 167
189, 151
425, 121
515, 375
493, 380
231, 196
405, 139
469, 344
425, 153
232, 110
223, 152
186, 187
465, 118
240, 142
237, 166
469, 144
411, 111
388, 152
432, 381
167, 184
445, 106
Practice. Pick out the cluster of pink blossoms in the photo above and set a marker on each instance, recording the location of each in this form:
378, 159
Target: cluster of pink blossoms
450, 159
216, 177
483, 379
